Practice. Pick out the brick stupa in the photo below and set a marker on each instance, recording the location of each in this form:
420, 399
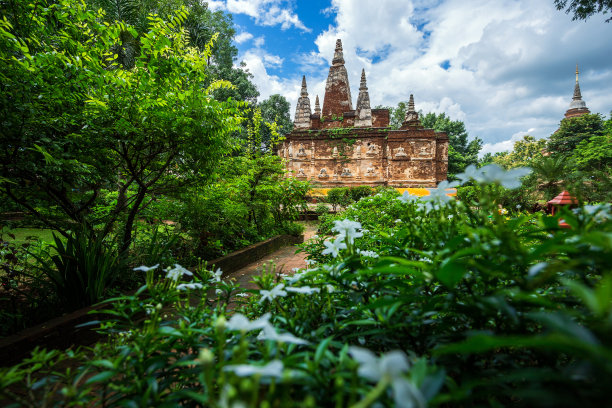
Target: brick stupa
341, 146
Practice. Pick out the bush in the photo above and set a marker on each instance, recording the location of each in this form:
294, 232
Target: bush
339, 197
357, 193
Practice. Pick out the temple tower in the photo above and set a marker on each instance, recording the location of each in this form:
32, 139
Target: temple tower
577, 107
412, 116
363, 114
337, 99
302, 111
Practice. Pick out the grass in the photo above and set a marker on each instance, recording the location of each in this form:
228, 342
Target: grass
25, 234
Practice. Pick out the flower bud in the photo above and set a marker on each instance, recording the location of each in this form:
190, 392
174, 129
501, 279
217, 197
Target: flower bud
206, 356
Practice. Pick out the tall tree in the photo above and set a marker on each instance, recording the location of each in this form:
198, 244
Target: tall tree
583, 9
524, 152
74, 122
462, 152
275, 110
575, 130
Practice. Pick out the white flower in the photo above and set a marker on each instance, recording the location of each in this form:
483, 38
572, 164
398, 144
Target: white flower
295, 277
273, 369
333, 247
330, 288
510, 179
176, 272
242, 323
270, 295
390, 366
518, 206
398, 221
185, 286
146, 268
216, 275
269, 333
349, 229
367, 254
471, 172
306, 290
407, 197
243, 294
450, 216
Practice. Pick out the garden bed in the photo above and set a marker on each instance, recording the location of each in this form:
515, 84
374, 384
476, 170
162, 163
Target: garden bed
63, 332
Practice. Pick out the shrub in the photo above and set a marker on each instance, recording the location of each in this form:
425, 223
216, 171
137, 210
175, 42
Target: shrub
357, 193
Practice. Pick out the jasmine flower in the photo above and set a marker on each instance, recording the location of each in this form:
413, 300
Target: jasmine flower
270, 295
242, 323
306, 290
390, 368
176, 272
349, 229
269, 333
185, 286
334, 247
146, 268
273, 369
407, 197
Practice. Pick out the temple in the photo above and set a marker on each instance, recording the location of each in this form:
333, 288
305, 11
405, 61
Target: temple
577, 106
341, 146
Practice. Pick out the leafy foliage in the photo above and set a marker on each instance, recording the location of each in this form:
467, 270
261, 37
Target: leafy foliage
583, 9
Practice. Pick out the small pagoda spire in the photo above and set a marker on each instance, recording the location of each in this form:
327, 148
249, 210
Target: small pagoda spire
412, 116
304, 92
317, 109
338, 55
364, 112
302, 111
577, 95
577, 106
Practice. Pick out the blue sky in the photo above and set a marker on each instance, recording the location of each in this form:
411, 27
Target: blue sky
504, 67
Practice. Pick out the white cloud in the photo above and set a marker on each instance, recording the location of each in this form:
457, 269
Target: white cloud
215, 5
243, 37
264, 12
504, 145
259, 41
501, 66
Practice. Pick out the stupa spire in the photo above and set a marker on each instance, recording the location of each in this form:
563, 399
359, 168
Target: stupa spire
577, 106
337, 99
317, 109
412, 116
302, 111
364, 112
338, 55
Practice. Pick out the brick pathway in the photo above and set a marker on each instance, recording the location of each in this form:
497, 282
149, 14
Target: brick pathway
285, 260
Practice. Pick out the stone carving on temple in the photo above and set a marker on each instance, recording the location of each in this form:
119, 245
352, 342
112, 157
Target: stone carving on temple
424, 151
301, 151
301, 173
370, 172
371, 150
335, 151
290, 150
346, 172
400, 152
323, 174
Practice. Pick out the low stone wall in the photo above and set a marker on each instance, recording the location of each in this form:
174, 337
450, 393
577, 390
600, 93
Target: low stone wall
243, 257
62, 332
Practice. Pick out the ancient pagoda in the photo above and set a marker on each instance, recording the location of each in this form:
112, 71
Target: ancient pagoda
341, 146
577, 106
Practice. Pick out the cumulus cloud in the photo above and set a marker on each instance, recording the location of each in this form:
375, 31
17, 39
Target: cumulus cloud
243, 37
504, 145
264, 12
501, 66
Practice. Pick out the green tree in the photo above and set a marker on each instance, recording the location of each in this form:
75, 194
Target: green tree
575, 130
524, 152
462, 152
75, 123
583, 9
201, 24
275, 110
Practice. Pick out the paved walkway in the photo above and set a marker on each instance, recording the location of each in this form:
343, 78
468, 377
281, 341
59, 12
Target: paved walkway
285, 259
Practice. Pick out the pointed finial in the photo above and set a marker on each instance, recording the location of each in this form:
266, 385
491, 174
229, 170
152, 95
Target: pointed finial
363, 80
304, 91
317, 109
338, 56
411, 104
576, 72
412, 117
